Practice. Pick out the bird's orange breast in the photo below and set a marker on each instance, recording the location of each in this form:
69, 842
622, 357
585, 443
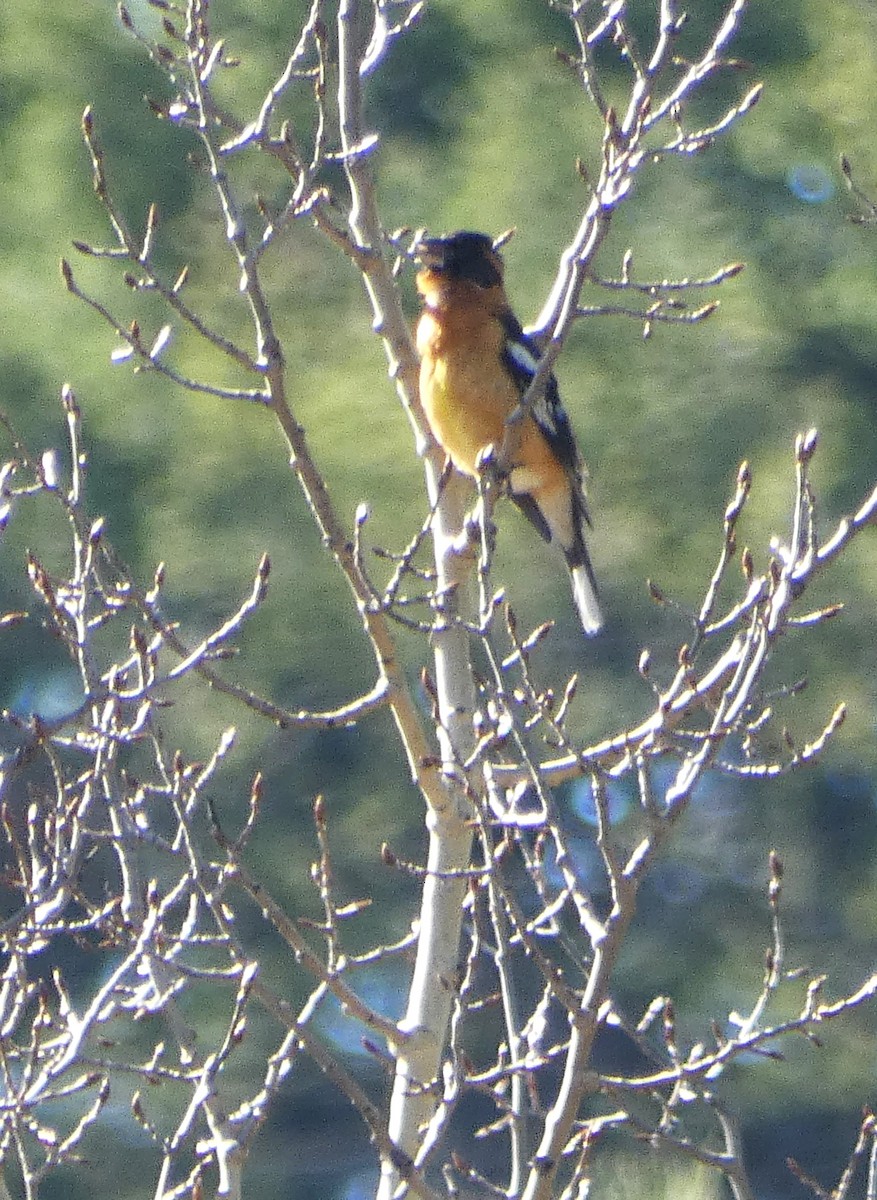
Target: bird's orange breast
468, 395
465, 396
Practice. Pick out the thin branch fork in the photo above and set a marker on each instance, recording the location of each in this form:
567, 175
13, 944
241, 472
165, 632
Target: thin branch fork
269, 363
705, 1066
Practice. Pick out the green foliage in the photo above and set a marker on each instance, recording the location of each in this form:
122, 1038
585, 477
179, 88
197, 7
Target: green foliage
481, 129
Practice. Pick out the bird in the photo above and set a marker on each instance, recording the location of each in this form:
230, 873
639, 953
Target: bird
476, 363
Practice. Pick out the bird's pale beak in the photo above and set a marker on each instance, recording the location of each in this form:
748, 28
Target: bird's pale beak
430, 253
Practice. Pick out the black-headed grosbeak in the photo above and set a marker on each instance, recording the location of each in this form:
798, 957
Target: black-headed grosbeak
476, 364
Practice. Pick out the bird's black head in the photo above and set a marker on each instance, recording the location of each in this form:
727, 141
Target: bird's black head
469, 257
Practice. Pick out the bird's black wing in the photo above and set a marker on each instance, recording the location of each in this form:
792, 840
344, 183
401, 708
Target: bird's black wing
521, 358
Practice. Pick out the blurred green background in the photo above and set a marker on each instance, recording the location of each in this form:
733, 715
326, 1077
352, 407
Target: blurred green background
481, 128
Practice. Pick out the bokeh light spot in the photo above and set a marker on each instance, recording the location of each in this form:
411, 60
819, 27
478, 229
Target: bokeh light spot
810, 183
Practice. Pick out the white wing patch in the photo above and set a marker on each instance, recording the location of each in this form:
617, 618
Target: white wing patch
522, 356
550, 415
547, 410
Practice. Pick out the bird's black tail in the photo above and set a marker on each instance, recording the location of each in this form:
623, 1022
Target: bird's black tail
584, 582
584, 589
